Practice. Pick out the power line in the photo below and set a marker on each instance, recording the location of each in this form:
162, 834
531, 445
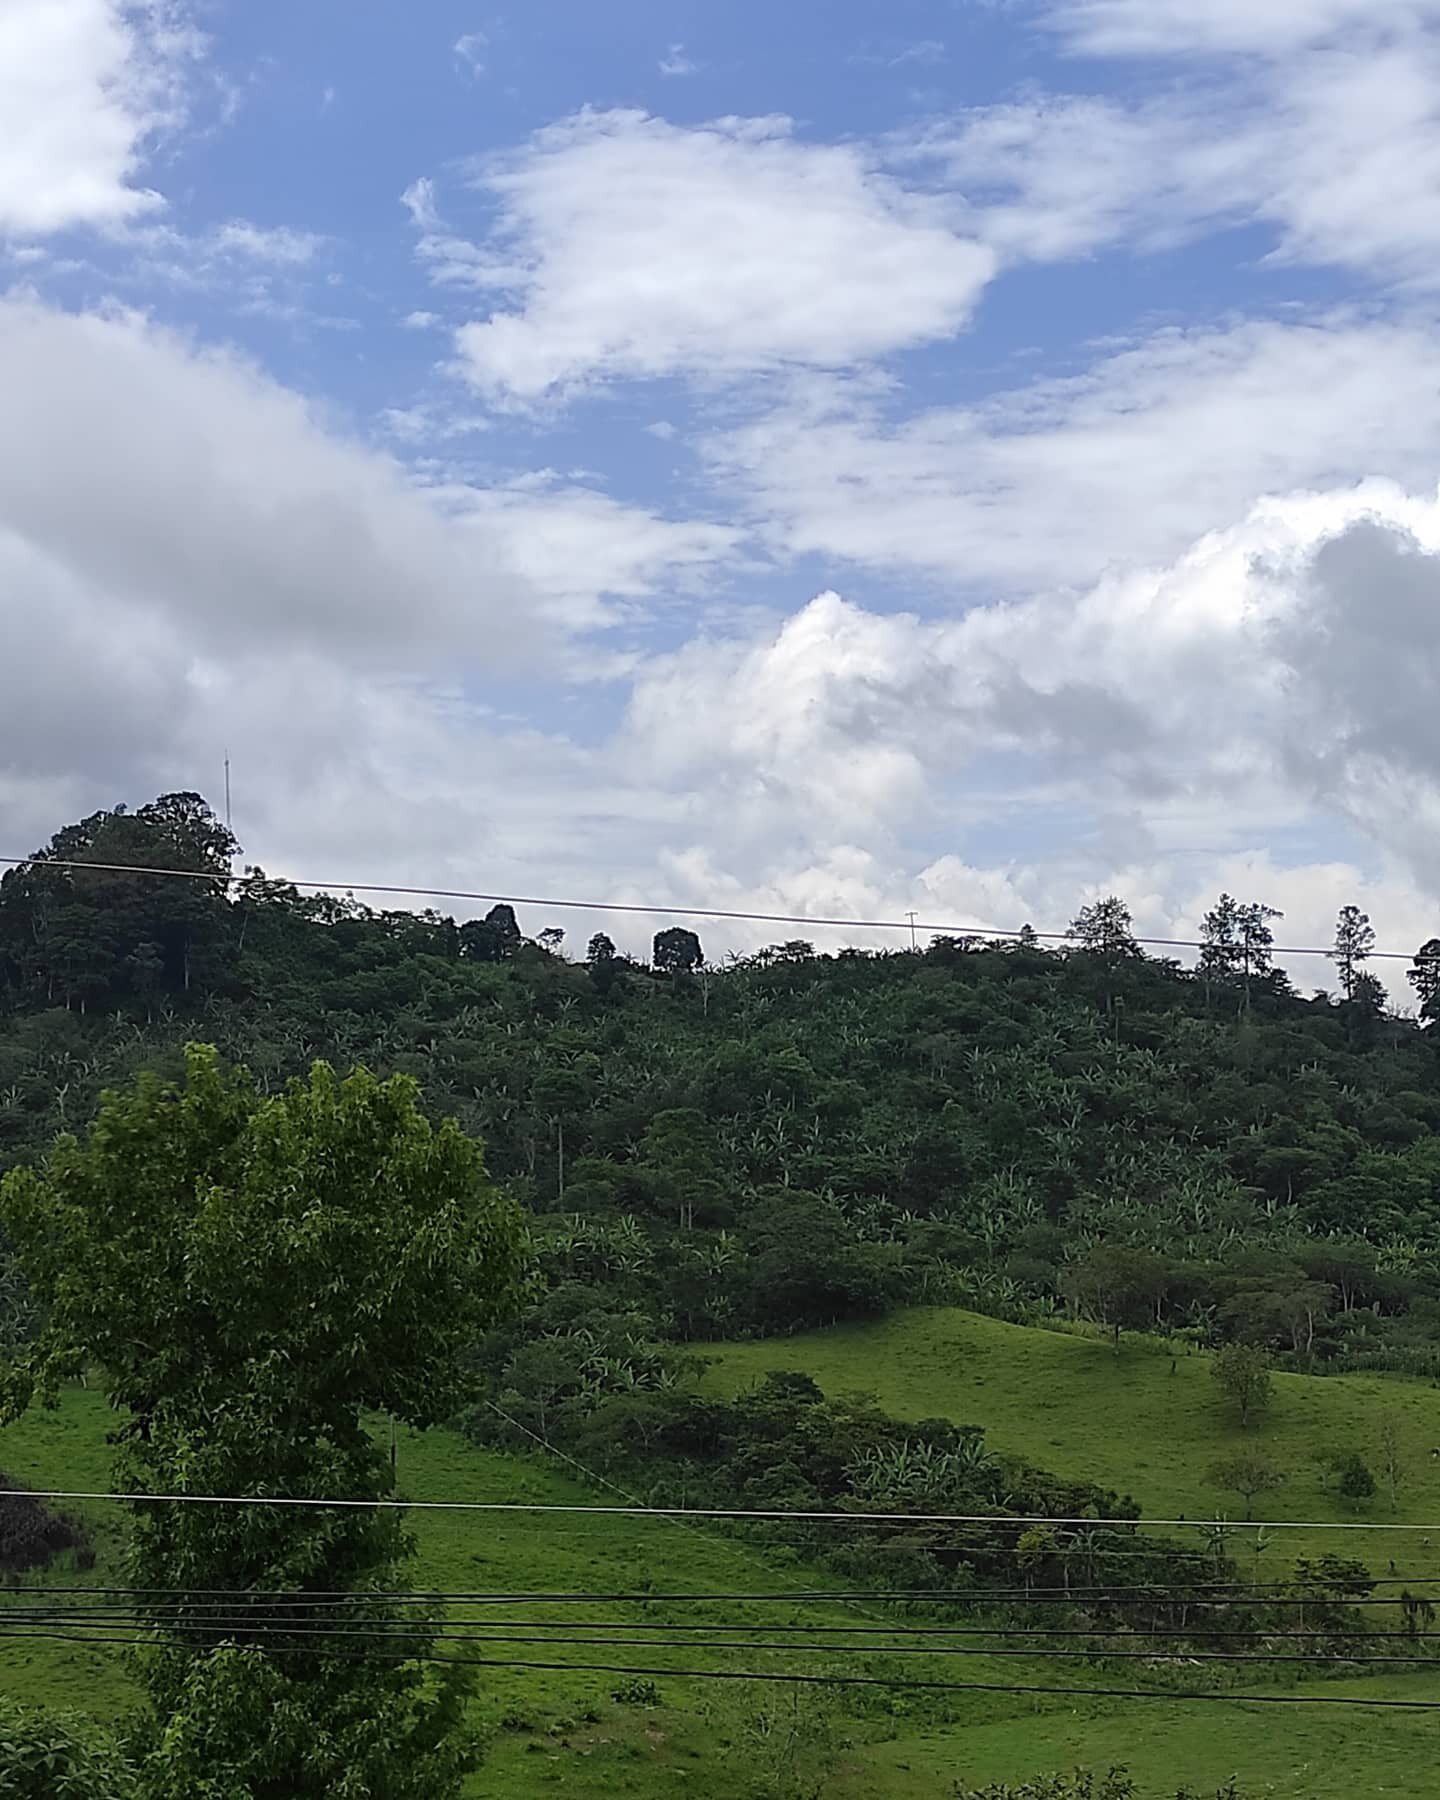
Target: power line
239, 1627
790, 1678
1180, 1593
208, 1614
908, 924
438, 1613
764, 1515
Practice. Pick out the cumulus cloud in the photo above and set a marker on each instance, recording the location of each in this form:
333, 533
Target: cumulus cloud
1051, 483
629, 247
189, 484
1158, 731
1148, 736
191, 559
84, 87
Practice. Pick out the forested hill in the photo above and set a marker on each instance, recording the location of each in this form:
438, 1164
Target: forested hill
798, 1136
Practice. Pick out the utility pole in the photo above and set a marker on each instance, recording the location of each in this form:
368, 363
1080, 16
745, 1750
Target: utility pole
911, 917
227, 790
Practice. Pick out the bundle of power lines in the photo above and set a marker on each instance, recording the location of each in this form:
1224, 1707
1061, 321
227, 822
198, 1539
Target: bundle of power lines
521, 1630
400, 1628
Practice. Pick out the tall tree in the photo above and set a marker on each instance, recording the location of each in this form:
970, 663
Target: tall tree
1257, 940
1424, 977
1105, 928
1242, 1373
1354, 940
677, 951
1236, 942
506, 927
1118, 1286
492, 938
1220, 950
254, 1277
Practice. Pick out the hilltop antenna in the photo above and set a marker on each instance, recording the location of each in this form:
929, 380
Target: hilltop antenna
911, 918
227, 790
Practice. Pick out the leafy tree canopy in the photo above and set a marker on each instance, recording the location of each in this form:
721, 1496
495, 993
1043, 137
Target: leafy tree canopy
252, 1276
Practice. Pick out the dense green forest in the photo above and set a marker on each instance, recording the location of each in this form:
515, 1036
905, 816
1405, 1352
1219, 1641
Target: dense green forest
797, 1137
1080, 1136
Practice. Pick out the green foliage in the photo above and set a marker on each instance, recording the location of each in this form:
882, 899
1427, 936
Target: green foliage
1083, 1785
1105, 928
1248, 1473
1118, 1286
636, 1691
962, 1125
59, 1756
1242, 1373
1357, 1483
784, 1444
791, 1741
1424, 977
677, 951
252, 1276
1354, 940
1392, 1460
1237, 944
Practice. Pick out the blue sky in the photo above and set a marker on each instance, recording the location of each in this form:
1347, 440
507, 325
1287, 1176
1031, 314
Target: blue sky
968, 455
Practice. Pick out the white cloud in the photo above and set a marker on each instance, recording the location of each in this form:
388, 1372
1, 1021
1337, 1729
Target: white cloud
1054, 177
419, 201
1338, 149
470, 53
1278, 678
776, 719
1275, 27
676, 62
266, 244
420, 321
190, 487
631, 247
1279, 674
583, 547
84, 86
1052, 483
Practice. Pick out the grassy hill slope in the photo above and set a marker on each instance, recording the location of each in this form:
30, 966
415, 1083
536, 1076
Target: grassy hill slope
559, 1726
562, 1732
1128, 1422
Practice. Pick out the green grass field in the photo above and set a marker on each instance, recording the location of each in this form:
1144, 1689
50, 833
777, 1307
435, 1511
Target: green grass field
1068, 1403
562, 1732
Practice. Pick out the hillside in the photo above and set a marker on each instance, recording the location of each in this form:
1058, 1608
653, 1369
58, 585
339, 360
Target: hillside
1148, 1422
800, 1137
739, 1172
566, 1731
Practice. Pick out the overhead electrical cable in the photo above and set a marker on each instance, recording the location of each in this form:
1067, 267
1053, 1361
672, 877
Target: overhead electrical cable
564, 1509
409, 891
792, 1678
